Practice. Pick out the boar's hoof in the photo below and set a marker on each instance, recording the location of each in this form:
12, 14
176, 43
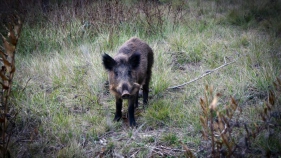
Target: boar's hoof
117, 117
132, 122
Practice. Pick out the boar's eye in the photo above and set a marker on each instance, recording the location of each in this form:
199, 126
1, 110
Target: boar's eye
116, 73
129, 72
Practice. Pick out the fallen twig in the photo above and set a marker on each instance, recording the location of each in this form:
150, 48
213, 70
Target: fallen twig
164, 151
203, 75
134, 154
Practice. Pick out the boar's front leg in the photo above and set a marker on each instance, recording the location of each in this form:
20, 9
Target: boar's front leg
131, 110
118, 113
137, 100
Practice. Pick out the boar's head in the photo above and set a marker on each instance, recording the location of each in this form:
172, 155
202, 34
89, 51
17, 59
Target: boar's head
122, 72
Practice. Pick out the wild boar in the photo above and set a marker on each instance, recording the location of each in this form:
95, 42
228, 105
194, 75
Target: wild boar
128, 71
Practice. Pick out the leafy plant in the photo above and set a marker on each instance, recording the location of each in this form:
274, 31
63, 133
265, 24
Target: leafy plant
7, 74
218, 126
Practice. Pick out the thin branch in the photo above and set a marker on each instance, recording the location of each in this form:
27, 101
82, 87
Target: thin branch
26, 84
203, 75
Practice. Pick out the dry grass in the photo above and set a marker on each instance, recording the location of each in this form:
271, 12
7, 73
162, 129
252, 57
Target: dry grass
59, 92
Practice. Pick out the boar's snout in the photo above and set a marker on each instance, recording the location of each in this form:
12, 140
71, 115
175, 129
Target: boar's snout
125, 95
125, 91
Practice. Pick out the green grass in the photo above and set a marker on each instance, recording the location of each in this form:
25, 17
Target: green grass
59, 87
170, 139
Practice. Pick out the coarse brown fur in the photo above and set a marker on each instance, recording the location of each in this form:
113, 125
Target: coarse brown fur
128, 71
143, 71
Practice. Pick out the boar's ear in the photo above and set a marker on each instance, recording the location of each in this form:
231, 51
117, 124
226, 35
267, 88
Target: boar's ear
134, 60
108, 62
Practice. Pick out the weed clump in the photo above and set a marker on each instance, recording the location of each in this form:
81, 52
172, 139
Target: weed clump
222, 128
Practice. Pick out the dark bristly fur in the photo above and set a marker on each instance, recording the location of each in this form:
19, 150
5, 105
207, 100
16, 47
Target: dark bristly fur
127, 72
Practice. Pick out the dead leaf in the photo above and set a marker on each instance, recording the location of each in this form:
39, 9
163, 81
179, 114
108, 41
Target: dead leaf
10, 49
12, 37
271, 98
213, 105
4, 86
4, 77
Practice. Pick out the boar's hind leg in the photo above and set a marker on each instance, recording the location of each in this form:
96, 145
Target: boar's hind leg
146, 88
148, 76
118, 113
131, 111
145, 92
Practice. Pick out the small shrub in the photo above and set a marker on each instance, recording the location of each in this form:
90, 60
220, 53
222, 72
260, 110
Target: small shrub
220, 125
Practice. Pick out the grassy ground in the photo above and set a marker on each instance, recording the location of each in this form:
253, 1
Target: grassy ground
59, 92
